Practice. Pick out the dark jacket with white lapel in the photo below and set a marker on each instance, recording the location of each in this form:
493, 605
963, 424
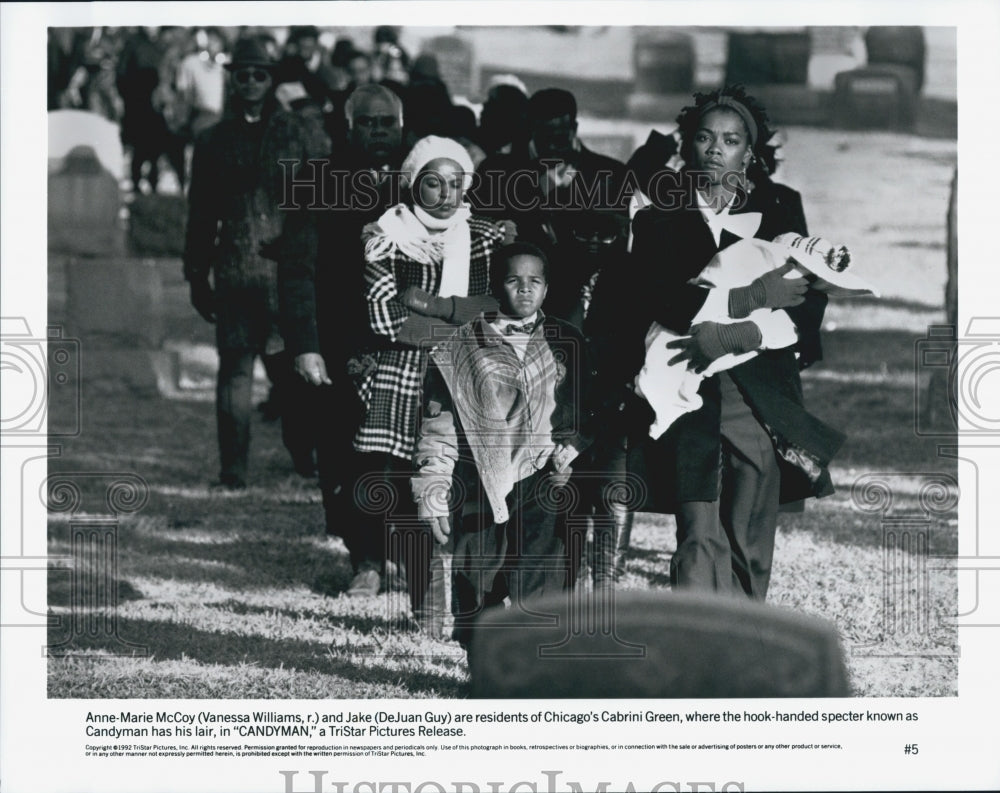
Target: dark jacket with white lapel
671, 246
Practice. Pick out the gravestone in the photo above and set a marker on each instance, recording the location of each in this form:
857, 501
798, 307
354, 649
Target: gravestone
876, 96
455, 59
663, 62
83, 207
71, 128
834, 49
664, 66
898, 45
656, 644
113, 302
114, 307
762, 58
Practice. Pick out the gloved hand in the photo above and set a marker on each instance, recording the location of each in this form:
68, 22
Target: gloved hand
203, 298
562, 459
423, 302
711, 340
771, 290
420, 331
467, 309
456, 310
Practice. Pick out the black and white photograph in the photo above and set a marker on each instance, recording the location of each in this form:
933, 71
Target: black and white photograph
425, 391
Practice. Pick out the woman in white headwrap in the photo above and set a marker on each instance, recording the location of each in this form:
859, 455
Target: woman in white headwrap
426, 267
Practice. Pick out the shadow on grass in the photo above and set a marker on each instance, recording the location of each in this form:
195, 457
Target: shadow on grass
361, 623
242, 563
881, 424
62, 592
174, 641
871, 350
941, 538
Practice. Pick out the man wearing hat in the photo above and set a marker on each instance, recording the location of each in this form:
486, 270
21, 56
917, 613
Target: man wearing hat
232, 211
546, 189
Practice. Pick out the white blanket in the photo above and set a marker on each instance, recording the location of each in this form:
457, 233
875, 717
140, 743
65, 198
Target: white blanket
672, 390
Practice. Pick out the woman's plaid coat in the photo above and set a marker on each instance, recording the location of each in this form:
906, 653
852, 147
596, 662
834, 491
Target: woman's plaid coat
392, 390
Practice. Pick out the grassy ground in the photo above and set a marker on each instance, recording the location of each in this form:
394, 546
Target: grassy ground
237, 596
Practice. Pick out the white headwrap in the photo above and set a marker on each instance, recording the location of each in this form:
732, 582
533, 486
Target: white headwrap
434, 147
424, 238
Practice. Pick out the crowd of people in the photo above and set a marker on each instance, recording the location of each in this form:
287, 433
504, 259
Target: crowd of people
165, 85
459, 314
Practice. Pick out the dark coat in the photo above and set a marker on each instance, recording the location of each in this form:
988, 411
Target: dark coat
234, 214
231, 214
321, 258
509, 186
670, 247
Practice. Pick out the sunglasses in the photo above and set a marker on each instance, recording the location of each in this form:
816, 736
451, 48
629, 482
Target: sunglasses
582, 235
244, 76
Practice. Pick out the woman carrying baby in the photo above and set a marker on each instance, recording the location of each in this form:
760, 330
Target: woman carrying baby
725, 468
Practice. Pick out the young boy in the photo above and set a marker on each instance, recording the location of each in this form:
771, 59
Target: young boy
501, 427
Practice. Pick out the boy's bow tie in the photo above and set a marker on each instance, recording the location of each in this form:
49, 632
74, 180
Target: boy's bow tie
527, 327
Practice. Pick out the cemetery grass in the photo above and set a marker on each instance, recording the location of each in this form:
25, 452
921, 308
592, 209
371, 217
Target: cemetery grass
238, 595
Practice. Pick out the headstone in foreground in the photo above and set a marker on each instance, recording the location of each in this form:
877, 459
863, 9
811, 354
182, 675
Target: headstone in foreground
691, 646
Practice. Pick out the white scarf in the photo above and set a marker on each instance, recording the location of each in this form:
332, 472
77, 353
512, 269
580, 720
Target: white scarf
427, 240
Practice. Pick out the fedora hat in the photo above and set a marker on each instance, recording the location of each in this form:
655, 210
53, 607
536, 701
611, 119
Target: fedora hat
250, 52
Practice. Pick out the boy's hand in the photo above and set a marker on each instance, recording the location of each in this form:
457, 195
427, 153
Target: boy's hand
440, 528
563, 456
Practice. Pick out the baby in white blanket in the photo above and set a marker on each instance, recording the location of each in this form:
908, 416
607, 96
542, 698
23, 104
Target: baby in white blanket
672, 389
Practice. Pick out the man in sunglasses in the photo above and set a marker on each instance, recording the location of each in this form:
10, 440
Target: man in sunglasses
546, 187
233, 210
